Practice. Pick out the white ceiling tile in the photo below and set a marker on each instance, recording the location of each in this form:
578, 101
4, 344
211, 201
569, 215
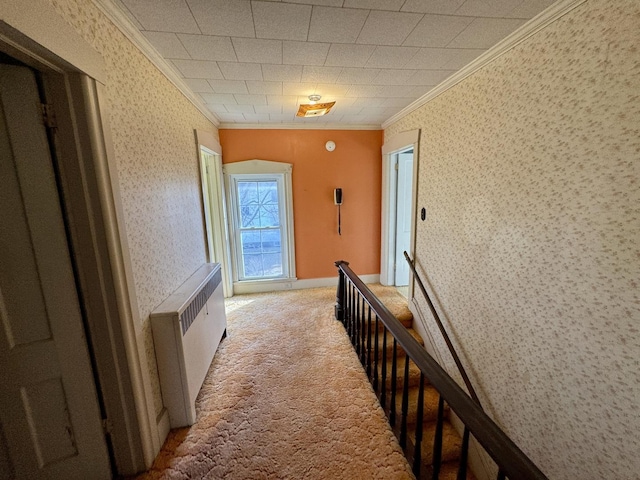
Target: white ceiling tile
485, 32
282, 73
163, 15
320, 74
462, 57
399, 102
281, 21
130, 15
346, 110
207, 47
530, 8
372, 91
336, 25
304, 89
421, 90
392, 77
356, 119
323, 3
228, 86
361, 76
219, 98
388, 28
341, 55
429, 77
393, 5
241, 71
223, 17
397, 91
256, 117
231, 117
391, 57
216, 108
264, 88
167, 44
279, 117
198, 85
443, 58
257, 50
198, 69
268, 108
330, 90
437, 30
284, 100
240, 108
441, 7
488, 8
304, 53
377, 111
251, 99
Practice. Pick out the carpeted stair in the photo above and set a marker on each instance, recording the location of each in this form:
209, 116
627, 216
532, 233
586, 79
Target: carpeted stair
451, 441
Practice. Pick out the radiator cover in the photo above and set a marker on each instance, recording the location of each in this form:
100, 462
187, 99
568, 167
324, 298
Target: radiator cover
187, 329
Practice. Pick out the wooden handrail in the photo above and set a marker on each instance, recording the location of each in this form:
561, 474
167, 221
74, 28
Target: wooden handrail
511, 461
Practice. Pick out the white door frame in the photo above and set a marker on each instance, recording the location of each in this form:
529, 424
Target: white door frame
396, 144
74, 75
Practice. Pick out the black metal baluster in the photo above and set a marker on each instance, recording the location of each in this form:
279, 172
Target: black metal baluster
383, 395
464, 455
437, 441
375, 357
352, 306
363, 334
369, 342
417, 452
394, 382
405, 404
358, 333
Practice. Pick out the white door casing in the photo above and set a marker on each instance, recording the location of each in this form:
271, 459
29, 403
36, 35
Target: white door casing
404, 199
49, 410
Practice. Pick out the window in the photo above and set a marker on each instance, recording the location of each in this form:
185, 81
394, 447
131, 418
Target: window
262, 220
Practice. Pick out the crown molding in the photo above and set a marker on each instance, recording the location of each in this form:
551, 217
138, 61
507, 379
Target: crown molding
124, 24
537, 23
295, 126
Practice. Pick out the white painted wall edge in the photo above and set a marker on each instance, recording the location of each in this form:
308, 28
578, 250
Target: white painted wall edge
122, 22
296, 126
240, 288
530, 28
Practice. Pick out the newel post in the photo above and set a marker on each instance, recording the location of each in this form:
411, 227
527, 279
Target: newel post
341, 294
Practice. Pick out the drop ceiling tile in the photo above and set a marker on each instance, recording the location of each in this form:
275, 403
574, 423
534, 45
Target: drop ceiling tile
163, 15
330, 91
304, 89
223, 17
256, 117
167, 44
219, 98
341, 55
393, 5
360, 76
207, 47
441, 7
485, 32
268, 108
256, 50
264, 88
530, 8
240, 108
241, 71
488, 8
320, 74
281, 21
198, 85
284, 100
388, 28
198, 69
304, 53
429, 77
444, 58
392, 77
437, 30
251, 99
228, 86
336, 25
391, 57
282, 73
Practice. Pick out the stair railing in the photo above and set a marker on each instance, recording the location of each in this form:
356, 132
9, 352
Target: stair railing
367, 322
445, 335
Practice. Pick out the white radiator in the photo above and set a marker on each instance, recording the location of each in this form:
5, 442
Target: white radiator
187, 329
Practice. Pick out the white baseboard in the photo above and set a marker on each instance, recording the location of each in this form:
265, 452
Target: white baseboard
241, 288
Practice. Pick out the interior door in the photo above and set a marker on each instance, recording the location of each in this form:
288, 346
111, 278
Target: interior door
50, 422
403, 216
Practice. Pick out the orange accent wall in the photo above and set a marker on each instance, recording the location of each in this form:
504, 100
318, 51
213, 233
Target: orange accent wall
355, 166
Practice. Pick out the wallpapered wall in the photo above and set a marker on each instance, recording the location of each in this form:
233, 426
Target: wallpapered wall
530, 176
152, 125
355, 166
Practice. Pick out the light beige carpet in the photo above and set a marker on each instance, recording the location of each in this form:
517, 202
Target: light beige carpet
285, 398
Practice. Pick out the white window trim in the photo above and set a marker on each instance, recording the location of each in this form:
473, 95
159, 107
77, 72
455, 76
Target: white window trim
262, 167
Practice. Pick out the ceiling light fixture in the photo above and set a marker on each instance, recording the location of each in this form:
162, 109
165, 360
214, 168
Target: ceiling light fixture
313, 108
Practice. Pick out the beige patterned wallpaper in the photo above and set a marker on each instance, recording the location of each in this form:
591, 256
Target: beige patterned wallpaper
152, 125
530, 176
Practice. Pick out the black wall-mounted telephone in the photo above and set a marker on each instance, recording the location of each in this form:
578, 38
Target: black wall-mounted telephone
337, 196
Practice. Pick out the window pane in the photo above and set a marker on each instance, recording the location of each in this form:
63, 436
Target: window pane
271, 241
269, 216
272, 264
250, 242
249, 216
268, 192
248, 193
253, 266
